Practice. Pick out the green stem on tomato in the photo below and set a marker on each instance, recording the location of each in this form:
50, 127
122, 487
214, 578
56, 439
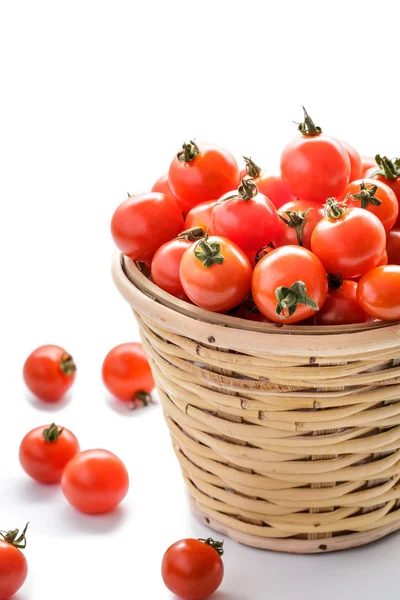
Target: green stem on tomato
14, 538
308, 128
367, 195
390, 169
297, 220
289, 299
67, 364
52, 433
192, 234
334, 209
208, 252
218, 546
252, 169
247, 189
189, 151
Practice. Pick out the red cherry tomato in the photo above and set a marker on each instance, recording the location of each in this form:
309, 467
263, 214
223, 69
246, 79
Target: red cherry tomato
249, 311
126, 373
378, 293
142, 223
269, 184
341, 307
388, 172
13, 565
384, 260
165, 267
45, 451
314, 166
367, 162
374, 196
162, 186
289, 284
193, 569
201, 216
300, 218
349, 241
49, 372
356, 166
95, 481
393, 246
201, 172
246, 217
216, 274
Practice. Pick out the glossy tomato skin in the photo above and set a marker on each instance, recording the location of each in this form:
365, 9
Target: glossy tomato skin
95, 481
350, 245
315, 168
126, 371
192, 570
272, 186
286, 235
44, 460
49, 372
388, 210
356, 166
162, 186
378, 292
165, 267
209, 175
341, 307
283, 267
367, 163
142, 223
393, 246
13, 570
394, 185
201, 216
220, 287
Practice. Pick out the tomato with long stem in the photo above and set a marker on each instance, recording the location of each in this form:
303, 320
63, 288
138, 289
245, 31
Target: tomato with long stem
49, 371
13, 564
378, 293
127, 374
297, 221
269, 184
376, 197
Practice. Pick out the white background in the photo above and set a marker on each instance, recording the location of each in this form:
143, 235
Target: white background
95, 99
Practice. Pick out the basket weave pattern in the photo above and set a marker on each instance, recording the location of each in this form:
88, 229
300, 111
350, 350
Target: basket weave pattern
288, 442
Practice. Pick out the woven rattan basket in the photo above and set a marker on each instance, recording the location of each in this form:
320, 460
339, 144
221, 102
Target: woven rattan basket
288, 437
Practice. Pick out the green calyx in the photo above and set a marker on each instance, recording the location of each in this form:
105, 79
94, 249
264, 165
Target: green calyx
192, 234
189, 151
289, 299
143, 397
252, 169
52, 433
308, 128
296, 219
390, 169
14, 538
366, 196
334, 209
335, 281
208, 252
218, 546
67, 364
247, 189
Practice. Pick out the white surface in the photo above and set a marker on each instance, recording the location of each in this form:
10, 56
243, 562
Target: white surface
96, 97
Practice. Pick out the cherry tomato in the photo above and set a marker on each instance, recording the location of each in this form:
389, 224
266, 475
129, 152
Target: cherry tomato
162, 186
246, 217
126, 373
216, 274
376, 197
13, 565
249, 311
356, 167
193, 569
165, 267
95, 481
49, 372
367, 162
349, 241
201, 172
378, 293
289, 284
45, 451
269, 184
384, 260
297, 222
387, 171
201, 216
315, 166
393, 246
142, 223
341, 307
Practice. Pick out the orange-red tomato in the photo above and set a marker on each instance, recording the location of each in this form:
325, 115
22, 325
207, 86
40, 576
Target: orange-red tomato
378, 293
201, 216
387, 171
376, 197
393, 246
356, 166
49, 372
269, 184
95, 481
367, 162
289, 284
201, 172
13, 565
300, 219
216, 274
126, 372
341, 307
162, 186
165, 267
45, 451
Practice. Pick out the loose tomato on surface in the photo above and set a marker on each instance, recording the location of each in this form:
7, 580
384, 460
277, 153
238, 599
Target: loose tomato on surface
289, 284
95, 481
378, 293
49, 372
192, 569
201, 172
126, 373
349, 241
13, 565
269, 184
162, 186
297, 220
341, 307
45, 451
142, 223
314, 166
246, 217
216, 274
367, 162
393, 246
356, 166
374, 196
201, 216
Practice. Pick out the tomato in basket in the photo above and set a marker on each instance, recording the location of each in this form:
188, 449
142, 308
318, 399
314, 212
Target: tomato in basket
268, 183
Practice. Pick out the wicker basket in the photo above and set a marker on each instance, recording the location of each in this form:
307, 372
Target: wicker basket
288, 437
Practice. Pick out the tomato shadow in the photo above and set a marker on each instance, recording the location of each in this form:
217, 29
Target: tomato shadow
37, 493
72, 522
124, 408
50, 407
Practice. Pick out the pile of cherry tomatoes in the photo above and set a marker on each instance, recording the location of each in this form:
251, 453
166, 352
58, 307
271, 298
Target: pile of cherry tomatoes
317, 244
